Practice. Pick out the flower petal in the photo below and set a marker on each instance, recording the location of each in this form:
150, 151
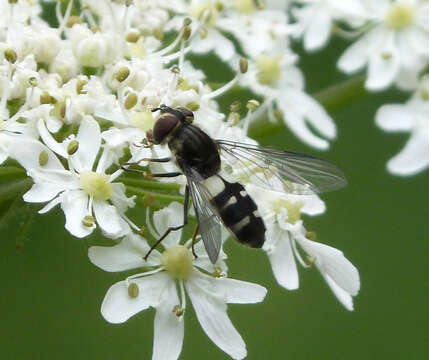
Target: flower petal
89, 138
168, 328
211, 313
319, 30
333, 263
127, 255
109, 219
170, 216
343, 296
282, 259
414, 157
118, 306
395, 117
74, 203
239, 292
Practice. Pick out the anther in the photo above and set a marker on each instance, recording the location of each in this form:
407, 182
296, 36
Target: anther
133, 290
122, 73
244, 65
311, 235
253, 104
43, 158
88, 221
10, 55
178, 310
130, 101
73, 20
235, 106
72, 147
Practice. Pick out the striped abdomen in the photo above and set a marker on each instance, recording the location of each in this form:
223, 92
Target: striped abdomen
238, 211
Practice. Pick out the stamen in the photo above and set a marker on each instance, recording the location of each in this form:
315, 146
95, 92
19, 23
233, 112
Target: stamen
141, 275
151, 229
296, 252
63, 21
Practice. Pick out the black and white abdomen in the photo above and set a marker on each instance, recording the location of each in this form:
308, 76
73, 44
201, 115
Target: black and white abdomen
237, 210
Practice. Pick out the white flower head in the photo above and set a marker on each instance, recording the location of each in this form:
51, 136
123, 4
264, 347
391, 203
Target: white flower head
286, 232
174, 267
396, 45
277, 79
87, 195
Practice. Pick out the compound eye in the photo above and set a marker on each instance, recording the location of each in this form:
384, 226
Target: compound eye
188, 114
164, 126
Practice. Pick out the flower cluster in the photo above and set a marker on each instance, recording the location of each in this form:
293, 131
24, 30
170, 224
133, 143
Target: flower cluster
79, 100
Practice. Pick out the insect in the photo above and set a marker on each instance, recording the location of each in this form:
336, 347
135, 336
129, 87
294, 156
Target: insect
220, 202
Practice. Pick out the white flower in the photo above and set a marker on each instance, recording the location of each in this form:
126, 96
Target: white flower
82, 191
158, 288
285, 232
397, 43
280, 82
412, 117
95, 49
315, 18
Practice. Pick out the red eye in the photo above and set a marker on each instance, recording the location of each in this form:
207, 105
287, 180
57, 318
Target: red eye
163, 127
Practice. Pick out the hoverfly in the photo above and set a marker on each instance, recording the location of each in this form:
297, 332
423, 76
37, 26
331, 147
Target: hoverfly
219, 202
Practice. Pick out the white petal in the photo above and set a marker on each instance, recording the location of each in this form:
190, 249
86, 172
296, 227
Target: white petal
332, 262
239, 292
211, 313
42, 192
74, 203
169, 329
282, 260
89, 139
127, 255
356, 56
27, 151
109, 219
297, 124
170, 216
49, 140
343, 296
319, 30
414, 157
395, 117
119, 199
381, 70
118, 306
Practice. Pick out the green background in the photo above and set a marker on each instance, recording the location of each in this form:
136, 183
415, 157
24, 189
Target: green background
51, 293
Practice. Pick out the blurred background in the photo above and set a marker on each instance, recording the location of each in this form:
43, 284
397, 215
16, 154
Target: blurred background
51, 293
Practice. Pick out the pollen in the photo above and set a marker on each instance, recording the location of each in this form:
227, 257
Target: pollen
244, 6
269, 70
177, 260
399, 16
293, 209
96, 185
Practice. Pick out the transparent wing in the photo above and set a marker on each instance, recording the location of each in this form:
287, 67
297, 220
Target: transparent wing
208, 220
279, 170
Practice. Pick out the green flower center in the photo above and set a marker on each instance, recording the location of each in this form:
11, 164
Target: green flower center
399, 16
269, 70
177, 260
293, 209
96, 185
244, 6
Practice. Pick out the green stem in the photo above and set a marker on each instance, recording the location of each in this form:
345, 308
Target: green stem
132, 190
148, 184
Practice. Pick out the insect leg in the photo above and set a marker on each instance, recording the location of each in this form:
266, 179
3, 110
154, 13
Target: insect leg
194, 235
150, 176
173, 228
161, 160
